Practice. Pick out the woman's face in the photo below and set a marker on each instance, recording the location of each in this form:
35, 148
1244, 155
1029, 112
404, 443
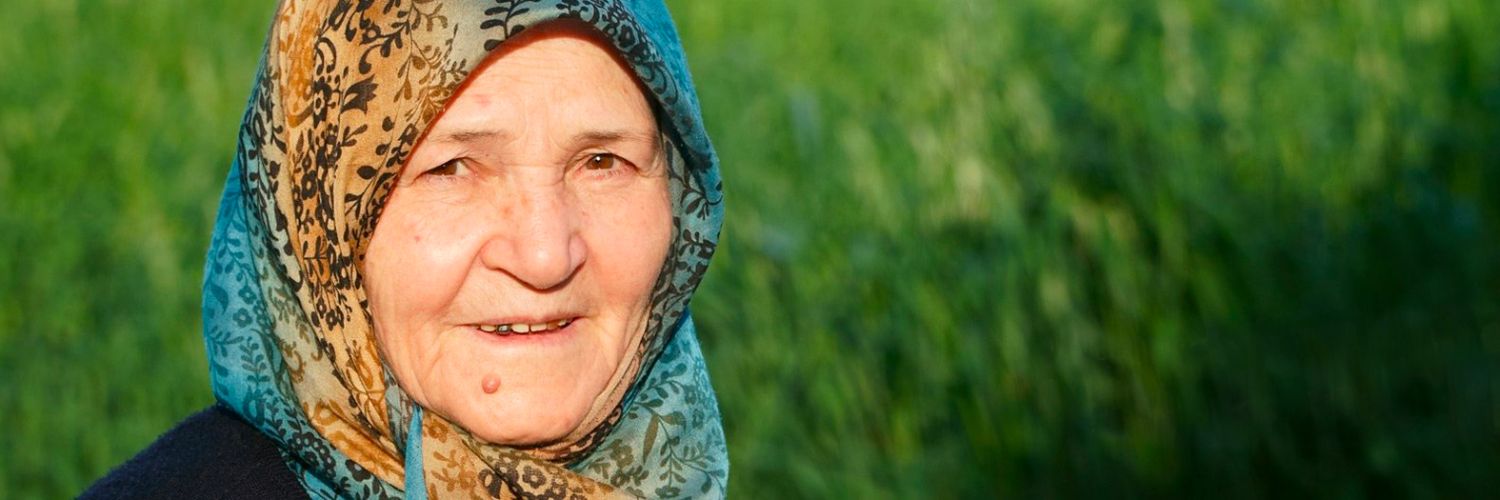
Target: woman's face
511, 272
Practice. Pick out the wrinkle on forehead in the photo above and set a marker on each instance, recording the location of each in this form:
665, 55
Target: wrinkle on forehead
523, 92
523, 66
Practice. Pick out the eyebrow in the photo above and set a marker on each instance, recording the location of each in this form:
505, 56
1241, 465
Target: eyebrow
469, 135
585, 137
615, 135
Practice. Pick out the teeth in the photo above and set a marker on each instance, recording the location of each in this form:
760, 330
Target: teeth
507, 329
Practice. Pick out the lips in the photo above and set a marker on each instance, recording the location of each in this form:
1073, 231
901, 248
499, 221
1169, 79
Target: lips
525, 328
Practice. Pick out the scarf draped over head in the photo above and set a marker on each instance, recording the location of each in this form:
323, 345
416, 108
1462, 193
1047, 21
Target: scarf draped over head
345, 90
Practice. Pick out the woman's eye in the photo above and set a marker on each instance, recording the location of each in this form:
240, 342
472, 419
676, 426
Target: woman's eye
600, 161
448, 168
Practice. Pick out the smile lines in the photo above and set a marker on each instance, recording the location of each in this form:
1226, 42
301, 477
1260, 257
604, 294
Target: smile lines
510, 328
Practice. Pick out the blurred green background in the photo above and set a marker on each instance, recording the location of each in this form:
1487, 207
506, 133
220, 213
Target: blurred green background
1034, 248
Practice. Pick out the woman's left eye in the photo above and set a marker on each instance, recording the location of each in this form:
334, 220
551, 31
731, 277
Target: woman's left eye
605, 161
601, 161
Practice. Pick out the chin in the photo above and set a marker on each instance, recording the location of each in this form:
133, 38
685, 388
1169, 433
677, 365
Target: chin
521, 426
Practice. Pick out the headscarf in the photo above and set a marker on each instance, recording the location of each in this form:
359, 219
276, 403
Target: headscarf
345, 90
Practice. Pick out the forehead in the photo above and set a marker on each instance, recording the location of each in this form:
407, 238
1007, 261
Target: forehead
555, 74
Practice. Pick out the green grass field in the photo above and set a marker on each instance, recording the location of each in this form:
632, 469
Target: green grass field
1034, 248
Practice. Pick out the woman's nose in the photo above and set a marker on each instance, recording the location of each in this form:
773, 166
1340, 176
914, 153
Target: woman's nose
537, 239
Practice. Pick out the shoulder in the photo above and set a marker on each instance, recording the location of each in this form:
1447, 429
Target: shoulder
212, 454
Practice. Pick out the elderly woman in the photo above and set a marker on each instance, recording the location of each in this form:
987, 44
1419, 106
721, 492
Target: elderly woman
453, 259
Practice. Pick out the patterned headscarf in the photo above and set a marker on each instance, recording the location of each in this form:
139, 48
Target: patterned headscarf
345, 90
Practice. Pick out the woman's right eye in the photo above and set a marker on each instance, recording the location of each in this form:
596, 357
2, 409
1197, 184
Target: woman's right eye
449, 167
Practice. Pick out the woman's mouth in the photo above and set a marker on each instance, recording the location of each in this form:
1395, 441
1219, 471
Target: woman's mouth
504, 329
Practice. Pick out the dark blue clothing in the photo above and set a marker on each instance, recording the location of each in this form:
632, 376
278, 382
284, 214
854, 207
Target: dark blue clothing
212, 454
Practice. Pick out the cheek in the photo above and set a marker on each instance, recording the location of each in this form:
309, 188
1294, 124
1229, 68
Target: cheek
631, 244
413, 268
